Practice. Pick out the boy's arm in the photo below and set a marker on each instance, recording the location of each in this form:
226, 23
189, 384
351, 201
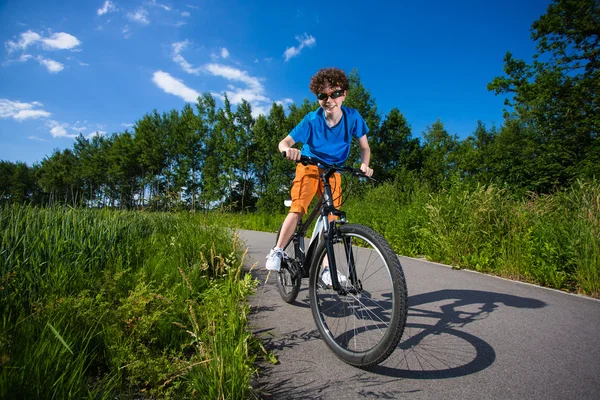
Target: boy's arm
365, 155
286, 145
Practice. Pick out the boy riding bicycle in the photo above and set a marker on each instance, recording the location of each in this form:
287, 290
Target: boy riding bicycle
326, 135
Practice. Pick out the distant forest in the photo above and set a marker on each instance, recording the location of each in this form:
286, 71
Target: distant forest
205, 156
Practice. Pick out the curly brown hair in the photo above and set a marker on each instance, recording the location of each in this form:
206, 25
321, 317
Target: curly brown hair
332, 76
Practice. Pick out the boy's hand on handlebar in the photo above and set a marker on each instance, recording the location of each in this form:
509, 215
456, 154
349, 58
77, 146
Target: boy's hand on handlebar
292, 154
366, 170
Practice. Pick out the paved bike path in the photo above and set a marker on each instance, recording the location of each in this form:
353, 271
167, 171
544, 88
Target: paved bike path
468, 336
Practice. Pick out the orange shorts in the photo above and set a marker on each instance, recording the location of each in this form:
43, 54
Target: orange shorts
307, 183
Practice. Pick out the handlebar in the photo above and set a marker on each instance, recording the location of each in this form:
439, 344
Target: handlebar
304, 160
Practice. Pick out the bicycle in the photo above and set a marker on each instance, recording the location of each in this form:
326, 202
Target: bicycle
361, 315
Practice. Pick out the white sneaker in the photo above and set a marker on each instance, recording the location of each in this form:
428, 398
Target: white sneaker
274, 259
326, 277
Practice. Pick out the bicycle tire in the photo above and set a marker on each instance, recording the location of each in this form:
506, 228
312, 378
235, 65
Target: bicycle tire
288, 285
364, 326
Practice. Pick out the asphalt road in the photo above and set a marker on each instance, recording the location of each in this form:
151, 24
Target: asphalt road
468, 336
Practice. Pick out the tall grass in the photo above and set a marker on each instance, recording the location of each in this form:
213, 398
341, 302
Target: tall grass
553, 240
106, 304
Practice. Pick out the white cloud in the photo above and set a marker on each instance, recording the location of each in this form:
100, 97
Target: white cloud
174, 86
57, 41
62, 129
59, 130
60, 41
178, 47
21, 111
185, 14
78, 128
305, 41
224, 53
285, 101
155, 4
248, 95
107, 7
253, 93
234, 74
23, 58
51, 65
139, 16
27, 38
95, 133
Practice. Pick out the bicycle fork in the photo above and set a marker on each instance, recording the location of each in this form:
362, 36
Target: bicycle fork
330, 237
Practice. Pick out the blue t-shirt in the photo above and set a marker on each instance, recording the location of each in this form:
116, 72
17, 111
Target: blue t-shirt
329, 144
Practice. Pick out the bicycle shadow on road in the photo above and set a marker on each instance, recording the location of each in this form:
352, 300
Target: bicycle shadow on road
443, 348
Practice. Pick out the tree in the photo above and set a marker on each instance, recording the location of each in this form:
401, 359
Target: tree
393, 148
227, 146
124, 169
512, 157
17, 183
246, 155
58, 177
438, 158
474, 154
558, 96
23, 183
149, 140
7, 170
276, 173
92, 165
211, 169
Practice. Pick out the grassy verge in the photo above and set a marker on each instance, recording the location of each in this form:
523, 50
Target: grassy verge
106, 304
552, 240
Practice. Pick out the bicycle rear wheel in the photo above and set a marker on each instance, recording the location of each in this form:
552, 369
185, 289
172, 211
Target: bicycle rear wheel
364, 326
289, 278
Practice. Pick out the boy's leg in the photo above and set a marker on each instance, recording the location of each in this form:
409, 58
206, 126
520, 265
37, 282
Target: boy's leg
287, 228
336, 192
304, 188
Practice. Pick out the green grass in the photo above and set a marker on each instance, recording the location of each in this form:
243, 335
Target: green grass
110, 304
553, 240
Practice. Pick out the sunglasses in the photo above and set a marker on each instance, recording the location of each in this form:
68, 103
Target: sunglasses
334, 95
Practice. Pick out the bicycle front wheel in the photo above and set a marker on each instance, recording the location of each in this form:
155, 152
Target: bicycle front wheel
288, 277
363, 325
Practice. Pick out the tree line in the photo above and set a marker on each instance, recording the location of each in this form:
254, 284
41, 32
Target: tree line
205, 156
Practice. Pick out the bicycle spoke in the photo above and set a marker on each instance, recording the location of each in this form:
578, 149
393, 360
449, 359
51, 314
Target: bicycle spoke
367, 318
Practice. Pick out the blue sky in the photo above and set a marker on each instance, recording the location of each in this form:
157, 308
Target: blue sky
96, 66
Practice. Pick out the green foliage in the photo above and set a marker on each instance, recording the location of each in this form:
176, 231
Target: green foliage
438, 155
552, 240
558, 96
393, 147
105, 304
395, 211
